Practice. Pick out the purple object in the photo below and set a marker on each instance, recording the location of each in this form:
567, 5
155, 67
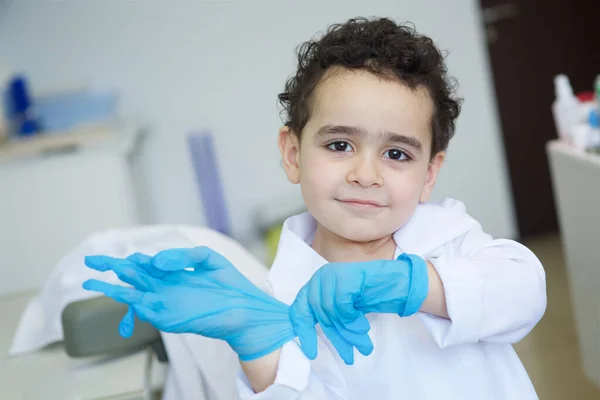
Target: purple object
209, 182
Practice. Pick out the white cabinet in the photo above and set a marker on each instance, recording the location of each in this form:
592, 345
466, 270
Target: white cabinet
49, 203
576, 181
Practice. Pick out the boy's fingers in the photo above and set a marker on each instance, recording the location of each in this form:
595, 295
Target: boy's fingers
119, 293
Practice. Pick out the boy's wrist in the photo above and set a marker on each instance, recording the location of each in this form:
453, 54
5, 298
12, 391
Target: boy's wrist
262, 371
435, 302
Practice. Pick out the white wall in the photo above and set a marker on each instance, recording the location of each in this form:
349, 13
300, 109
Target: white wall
183, 66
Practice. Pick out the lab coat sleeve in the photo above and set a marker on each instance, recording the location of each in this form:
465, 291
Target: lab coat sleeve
298, 378
495, 291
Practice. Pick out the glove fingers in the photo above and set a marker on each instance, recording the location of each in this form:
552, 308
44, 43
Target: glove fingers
173, 260
320, 299
141, 259
146, 314
99, 263
199, 258
145, 261
304, 323
119, 293
361, 341
125, 270
353, 319
126, 326
359, 325
307, 334
343, 347
134, 275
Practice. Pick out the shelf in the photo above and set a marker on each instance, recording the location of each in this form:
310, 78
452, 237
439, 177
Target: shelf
59, 142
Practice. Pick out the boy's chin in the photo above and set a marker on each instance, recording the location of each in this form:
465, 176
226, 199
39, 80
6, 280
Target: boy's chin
358, 231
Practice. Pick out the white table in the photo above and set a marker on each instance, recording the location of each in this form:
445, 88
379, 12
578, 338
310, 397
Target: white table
50, 374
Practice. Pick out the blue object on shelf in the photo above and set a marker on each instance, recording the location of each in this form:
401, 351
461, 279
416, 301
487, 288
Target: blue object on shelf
209, 182
594, 119
67, 110
22, 111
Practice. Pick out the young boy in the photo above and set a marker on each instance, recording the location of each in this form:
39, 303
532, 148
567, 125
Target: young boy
370, 114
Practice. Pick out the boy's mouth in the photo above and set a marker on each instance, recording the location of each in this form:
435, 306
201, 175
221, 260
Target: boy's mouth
360, 203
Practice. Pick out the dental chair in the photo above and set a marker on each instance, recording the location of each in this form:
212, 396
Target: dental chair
90, 328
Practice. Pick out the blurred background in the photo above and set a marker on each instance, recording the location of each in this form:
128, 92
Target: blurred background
121, 117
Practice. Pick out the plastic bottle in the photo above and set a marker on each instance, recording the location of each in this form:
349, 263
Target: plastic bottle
566, 108
594, 123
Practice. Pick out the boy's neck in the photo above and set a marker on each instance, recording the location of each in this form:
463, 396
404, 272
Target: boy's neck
335, 248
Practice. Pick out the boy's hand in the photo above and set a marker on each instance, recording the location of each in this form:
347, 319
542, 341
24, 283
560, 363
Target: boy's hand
213, 299
340, 294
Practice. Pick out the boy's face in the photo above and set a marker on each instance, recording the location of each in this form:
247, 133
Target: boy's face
364, 160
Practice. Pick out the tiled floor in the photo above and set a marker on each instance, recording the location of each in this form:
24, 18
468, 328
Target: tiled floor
550, 353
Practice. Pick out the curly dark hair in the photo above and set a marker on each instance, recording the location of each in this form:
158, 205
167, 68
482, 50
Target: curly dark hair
386, 49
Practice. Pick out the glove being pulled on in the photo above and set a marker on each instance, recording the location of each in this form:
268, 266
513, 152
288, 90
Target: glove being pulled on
196, 291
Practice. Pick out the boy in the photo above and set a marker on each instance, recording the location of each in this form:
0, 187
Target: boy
430, 301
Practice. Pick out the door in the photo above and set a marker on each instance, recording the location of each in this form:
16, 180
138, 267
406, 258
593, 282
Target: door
529, 42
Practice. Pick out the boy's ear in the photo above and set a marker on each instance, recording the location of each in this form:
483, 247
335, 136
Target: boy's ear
432, 172
289, 147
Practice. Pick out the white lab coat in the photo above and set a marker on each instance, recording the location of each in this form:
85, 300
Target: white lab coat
495, 293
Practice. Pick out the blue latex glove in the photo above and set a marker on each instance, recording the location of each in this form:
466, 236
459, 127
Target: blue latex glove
340, 294
213, 300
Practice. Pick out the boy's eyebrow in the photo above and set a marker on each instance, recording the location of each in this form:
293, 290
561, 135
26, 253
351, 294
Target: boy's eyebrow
386, 136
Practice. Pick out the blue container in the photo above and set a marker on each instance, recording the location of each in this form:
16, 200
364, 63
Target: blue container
22, 111
68, 110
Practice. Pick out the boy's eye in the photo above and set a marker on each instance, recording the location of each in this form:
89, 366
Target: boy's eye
340, 146
396, 154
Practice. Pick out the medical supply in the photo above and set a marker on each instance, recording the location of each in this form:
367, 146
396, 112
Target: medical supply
580, 136
594, 123
339, 294
566, 107
586, 136
198, 291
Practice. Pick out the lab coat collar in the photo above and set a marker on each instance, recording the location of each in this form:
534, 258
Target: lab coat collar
431, 226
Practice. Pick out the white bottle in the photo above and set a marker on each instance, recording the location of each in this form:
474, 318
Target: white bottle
566, 108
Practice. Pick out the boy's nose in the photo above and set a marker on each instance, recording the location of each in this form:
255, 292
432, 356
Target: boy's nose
365, 172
